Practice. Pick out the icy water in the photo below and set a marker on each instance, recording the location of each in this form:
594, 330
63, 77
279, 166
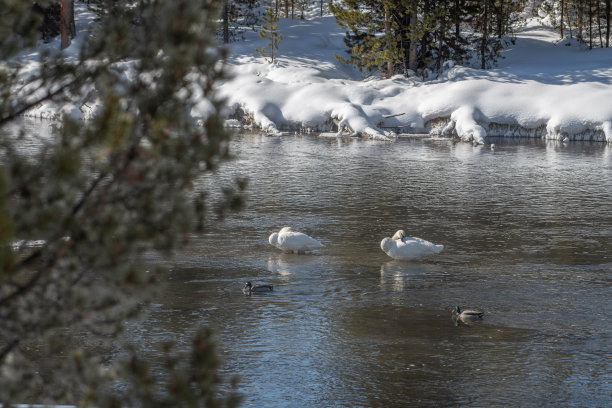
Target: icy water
528, 235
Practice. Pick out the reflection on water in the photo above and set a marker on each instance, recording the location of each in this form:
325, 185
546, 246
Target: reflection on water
527, 232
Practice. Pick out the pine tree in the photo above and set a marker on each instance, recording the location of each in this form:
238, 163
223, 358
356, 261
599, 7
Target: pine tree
418, 36
269, 31
99, 193
372, 34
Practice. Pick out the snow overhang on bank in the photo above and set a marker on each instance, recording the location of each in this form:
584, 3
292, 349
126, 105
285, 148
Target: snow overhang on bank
540, 89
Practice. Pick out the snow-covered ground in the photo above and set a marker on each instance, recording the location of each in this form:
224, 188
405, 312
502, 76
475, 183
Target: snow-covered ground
29, 64
542, 87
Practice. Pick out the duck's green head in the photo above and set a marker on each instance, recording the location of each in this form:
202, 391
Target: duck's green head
457, 310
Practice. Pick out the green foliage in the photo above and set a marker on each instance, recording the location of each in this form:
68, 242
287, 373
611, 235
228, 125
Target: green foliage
190, 383
365, 39
97, 194
382, 33
269, 31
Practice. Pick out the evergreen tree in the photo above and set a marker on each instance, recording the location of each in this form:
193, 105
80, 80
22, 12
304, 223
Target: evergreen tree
405, 36
269, 31
372, 36
99, 193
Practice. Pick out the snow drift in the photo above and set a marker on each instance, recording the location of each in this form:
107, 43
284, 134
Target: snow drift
541, 88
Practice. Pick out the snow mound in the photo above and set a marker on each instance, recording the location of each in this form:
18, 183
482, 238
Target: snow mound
541, 88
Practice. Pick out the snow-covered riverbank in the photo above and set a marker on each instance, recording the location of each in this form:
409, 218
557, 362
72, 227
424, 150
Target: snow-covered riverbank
542, 88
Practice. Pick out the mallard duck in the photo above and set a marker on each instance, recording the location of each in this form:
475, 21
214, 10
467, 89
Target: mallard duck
401, 247
292, 241
467, 315
250, 288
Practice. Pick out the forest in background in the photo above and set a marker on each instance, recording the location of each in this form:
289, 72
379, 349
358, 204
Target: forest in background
416, 36
398, 36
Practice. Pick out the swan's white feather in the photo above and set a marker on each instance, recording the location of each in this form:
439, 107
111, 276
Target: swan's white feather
408, 248
288, 240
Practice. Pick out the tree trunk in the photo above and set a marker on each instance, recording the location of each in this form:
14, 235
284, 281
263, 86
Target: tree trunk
500, 20
226, 10
561, 26
457, 19
441, 51
580, 23
72, 25
608, 23
569, 24
485, 35
389, 41
412, 52
598, 17
590, 26
67, 25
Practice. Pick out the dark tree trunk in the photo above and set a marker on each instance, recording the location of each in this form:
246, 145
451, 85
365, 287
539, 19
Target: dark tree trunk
412, 53
457, 19
485, 35
569, 24
67, 25
579, 35
608, 23
598, 16
389, 41
500, 20
72, 25
562, 9
590, 26
441, 50
226, 11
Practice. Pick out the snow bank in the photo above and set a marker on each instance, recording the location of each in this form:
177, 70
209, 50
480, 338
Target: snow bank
541, 88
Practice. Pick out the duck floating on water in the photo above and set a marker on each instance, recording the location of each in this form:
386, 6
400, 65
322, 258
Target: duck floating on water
250, 288
467, 315
293, 241
406, 248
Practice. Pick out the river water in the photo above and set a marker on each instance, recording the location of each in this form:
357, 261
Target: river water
527, 229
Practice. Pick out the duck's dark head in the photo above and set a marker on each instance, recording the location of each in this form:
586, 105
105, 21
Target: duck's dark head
457, 310
248, 285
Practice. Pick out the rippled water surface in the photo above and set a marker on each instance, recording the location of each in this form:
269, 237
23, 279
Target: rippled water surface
527, 230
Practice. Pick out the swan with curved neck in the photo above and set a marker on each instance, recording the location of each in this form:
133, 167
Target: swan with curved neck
293, 241
401, 247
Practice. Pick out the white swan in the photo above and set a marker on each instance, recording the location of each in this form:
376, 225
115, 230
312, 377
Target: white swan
292, 241
407, 248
